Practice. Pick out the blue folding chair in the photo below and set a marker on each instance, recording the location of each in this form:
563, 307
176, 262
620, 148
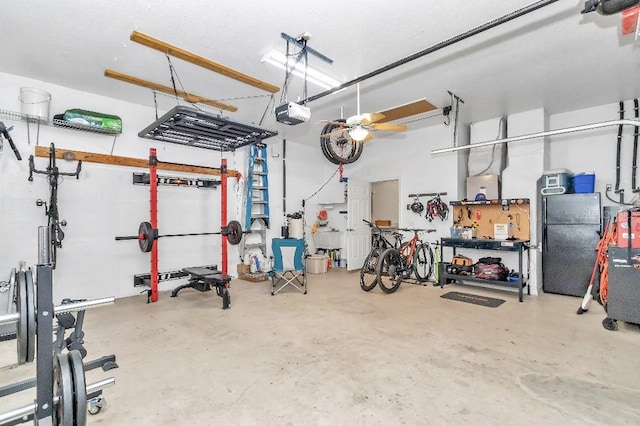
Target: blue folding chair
288, 265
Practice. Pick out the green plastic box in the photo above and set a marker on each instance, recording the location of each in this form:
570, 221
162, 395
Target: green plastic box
95, 119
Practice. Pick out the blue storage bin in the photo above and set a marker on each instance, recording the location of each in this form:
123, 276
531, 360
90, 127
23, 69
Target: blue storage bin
584, 183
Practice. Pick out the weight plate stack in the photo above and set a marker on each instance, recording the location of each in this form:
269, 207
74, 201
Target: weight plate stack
79, 387
64, 414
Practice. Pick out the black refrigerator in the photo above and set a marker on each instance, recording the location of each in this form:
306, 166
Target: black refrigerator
570, 232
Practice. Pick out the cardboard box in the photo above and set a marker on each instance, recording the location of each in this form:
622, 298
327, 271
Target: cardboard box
255, 277
486, 185
624, 233
317, 264
243, 269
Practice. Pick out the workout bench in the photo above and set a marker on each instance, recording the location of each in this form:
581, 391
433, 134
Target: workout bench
202, 279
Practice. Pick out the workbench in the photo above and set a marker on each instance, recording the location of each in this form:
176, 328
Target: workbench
519, 246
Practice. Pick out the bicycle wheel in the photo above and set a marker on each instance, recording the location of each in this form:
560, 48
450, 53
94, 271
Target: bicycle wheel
389, 270
337, 146
423, 261
368, 277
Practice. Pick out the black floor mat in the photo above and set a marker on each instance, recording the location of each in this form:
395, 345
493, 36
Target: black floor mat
473, 299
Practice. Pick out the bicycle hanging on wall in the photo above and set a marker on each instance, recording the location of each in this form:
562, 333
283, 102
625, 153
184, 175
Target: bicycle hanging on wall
55, 224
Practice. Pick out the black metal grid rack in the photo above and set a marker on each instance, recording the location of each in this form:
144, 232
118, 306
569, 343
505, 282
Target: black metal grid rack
192, 127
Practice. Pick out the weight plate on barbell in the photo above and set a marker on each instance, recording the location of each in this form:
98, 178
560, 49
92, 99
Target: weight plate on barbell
63, 415
21, 309
234, 232
145, 237
31, 316
79, 388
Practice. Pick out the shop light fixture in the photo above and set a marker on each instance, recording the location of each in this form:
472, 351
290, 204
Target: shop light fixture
314, 75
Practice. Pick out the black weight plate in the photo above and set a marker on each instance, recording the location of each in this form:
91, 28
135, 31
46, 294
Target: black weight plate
234, 232
63, 414
145, 237
79, 388
21, 308
31, 316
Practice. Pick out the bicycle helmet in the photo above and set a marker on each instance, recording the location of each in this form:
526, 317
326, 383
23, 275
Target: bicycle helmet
417, 206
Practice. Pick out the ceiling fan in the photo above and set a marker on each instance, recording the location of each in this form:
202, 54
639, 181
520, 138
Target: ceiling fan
342, 140
360, 126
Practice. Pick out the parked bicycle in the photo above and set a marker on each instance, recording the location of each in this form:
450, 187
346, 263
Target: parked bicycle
414, 257
368, 277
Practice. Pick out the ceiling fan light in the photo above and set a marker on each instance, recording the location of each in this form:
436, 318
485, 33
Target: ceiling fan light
358, 133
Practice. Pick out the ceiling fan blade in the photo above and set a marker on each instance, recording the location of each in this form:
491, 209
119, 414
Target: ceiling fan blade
406, 110
335, 123
368, 137
375, 117
335, 132
392, 127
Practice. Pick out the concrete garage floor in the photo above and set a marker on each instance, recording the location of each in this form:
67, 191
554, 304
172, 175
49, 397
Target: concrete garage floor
341, 356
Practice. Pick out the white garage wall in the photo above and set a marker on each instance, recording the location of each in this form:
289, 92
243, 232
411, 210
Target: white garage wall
104, 203
595, 150
407, 157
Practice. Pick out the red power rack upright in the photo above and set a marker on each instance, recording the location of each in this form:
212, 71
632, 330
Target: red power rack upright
153, 202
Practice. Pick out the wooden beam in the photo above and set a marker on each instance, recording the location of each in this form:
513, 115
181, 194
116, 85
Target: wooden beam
169, 49
189, 97
406, 110
92, 157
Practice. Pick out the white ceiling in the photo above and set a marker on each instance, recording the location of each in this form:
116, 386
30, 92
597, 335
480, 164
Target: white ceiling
553, 58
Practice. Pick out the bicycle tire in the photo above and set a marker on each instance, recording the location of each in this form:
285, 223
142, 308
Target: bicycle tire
423, 262
339, 149
368, 272
389, 271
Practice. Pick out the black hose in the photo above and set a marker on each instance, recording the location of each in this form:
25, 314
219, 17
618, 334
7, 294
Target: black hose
284, 176
634, 169
619, 147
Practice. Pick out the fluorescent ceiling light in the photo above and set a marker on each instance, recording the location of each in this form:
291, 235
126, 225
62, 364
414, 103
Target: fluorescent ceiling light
314, 76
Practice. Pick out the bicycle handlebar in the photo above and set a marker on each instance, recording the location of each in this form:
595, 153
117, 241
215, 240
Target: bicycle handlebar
416, 230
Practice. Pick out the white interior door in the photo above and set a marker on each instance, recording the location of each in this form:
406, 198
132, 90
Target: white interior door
358, 235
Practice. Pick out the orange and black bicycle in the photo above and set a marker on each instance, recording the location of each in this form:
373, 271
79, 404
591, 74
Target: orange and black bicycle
414, 257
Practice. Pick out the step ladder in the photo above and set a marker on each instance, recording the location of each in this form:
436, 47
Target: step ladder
257, 201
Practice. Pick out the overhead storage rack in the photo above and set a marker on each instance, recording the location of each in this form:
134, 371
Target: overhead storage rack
201, 129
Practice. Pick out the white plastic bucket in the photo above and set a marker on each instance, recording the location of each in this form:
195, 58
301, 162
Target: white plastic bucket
296, 228
35, 103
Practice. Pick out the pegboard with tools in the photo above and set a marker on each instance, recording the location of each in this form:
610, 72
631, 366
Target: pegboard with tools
494, 219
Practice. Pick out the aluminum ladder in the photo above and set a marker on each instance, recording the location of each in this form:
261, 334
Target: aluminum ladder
257, 201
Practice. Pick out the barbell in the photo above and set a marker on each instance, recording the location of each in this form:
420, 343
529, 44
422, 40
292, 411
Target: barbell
26, 314
147, 235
